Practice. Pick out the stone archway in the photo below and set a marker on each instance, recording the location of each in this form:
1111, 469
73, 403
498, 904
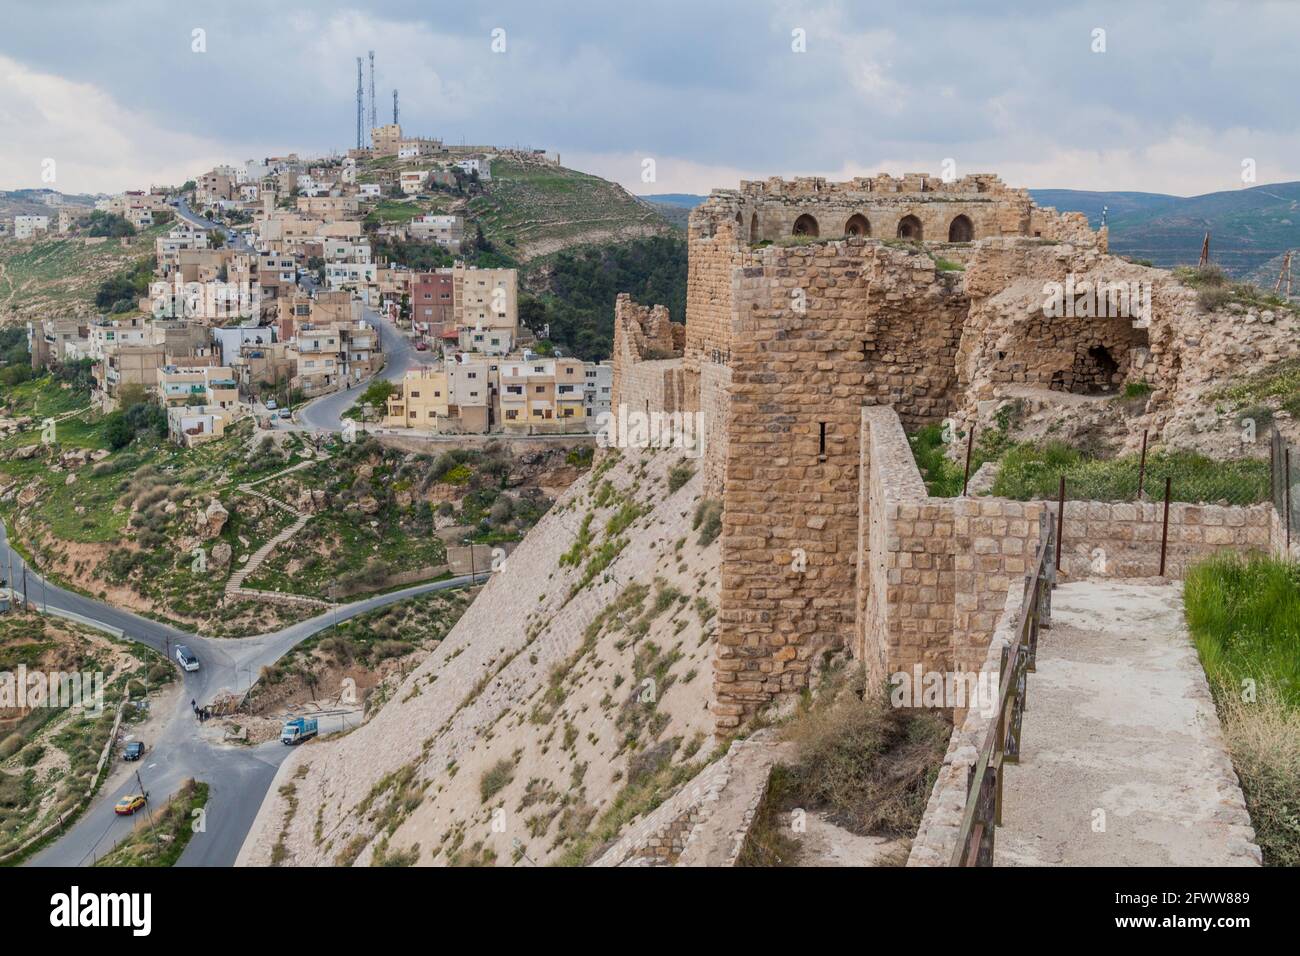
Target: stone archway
753, 228
909, 227
961, 230
857, 226
805, 225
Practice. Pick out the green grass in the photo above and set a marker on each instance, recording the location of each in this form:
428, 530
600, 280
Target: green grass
1034, 471
1244, 617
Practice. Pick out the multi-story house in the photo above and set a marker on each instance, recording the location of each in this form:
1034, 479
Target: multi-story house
28, 227
597, 388
432, 304
423, 400
198, 385
446, 231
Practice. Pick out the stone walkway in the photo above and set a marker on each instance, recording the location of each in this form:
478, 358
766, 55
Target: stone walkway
1123, 762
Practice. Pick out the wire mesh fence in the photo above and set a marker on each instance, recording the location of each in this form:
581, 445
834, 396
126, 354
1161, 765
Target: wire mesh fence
1036, 472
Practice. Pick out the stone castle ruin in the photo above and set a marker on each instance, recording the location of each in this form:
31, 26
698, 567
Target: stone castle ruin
822, 319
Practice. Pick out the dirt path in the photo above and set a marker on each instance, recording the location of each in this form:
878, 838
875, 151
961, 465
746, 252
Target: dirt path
1123, 760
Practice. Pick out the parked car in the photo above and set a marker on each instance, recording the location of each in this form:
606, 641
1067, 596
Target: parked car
134, 750
286, 413
129, 804
185, 657
270, 404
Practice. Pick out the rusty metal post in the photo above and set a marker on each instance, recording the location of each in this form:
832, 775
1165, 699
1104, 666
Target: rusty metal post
1142, 467
1164, 533
1060, 521
1286, 478
970, 443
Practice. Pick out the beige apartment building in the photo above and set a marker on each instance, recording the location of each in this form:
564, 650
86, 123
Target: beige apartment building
125, 365
422, 401
213, 386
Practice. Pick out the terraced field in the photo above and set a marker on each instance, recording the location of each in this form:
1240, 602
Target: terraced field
533, 210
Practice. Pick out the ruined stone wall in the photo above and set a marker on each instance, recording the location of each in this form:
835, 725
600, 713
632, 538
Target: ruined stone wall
1010, 339
648, 374
917, 207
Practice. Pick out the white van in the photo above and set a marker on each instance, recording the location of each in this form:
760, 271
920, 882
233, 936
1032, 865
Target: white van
185, 657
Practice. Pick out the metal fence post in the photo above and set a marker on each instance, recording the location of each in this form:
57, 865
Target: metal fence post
970, 443
1060, 521
1164, 532
1286, 478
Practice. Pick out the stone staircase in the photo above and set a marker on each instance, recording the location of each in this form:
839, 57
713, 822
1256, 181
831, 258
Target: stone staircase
235, 584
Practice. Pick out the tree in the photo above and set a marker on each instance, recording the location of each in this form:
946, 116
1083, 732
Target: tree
216, 238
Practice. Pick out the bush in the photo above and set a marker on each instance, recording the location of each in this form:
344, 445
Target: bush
11, 745
1213, 298
495, 779
708, 519
678, 475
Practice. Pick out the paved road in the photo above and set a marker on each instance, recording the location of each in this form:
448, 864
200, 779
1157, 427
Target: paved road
238, 775
326, 412
189, 215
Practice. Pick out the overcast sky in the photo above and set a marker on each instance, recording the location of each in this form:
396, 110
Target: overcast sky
712, 90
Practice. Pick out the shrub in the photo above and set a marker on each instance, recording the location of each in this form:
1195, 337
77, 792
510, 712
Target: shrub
708, 520
495, 779
11, 745
679, 475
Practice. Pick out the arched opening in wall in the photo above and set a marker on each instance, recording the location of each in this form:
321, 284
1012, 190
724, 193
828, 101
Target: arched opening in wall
857, 226
961, 230
805, 225
909, 227
740, 227
753, 228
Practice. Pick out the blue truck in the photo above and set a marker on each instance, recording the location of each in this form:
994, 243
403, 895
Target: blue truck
297, 730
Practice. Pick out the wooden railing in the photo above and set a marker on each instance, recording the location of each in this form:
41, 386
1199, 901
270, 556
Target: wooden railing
983, 813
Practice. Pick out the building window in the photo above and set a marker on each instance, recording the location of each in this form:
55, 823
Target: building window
821, 441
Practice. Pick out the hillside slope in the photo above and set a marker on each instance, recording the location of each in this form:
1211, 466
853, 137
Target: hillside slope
530, 210
59, 276
569, 700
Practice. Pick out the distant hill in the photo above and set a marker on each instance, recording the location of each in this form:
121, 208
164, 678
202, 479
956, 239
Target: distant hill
531, 210
1248, 227
687, 200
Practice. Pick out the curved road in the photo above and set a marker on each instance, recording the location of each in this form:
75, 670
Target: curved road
238, 775
326, 413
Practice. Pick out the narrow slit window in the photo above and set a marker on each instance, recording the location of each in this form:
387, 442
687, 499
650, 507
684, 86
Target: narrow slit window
821, 441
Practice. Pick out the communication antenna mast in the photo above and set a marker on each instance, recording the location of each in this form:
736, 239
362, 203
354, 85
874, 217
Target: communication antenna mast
394, 107
372, 90
360, 103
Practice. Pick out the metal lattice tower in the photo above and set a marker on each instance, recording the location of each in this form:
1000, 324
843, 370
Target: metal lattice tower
360, 104
373, 117
394, 107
